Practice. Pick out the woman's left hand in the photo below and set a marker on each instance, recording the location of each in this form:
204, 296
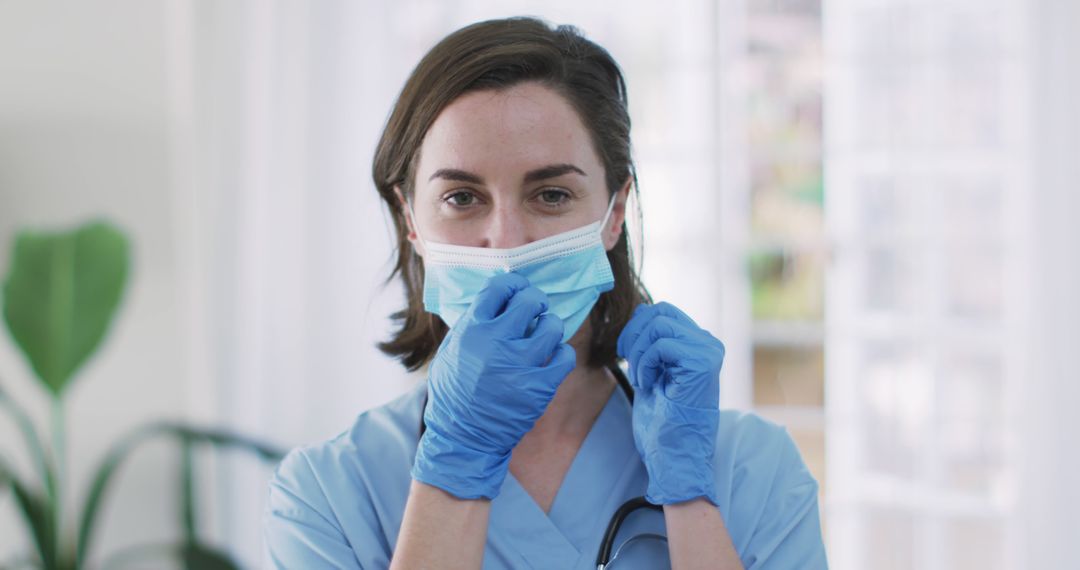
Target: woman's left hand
675, 372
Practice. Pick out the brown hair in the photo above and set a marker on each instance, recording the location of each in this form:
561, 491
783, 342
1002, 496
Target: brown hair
496, 55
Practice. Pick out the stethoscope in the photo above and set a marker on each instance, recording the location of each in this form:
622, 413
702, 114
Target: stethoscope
604, 556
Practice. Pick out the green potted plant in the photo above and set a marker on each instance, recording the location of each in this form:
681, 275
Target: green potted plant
60, 294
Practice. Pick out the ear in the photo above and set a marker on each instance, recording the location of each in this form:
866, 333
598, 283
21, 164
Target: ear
618, 215
418, 247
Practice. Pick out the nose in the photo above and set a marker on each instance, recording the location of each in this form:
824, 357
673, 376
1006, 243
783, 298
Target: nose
506, 227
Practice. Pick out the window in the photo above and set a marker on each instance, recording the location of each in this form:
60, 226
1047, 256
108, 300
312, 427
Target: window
922, 152
787, 256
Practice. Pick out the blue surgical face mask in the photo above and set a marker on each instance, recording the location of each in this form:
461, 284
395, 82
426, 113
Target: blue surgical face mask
571, 268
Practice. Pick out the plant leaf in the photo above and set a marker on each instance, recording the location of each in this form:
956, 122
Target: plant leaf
192, 555
186, 435
60, 294
33, 443
188, 517
36, 510
198, 556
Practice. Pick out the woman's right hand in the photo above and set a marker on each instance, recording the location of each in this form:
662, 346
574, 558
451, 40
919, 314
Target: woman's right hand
488, 384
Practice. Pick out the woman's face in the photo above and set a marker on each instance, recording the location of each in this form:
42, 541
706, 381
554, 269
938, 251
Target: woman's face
500, 169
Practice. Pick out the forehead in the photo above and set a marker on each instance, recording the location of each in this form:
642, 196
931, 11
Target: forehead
513, 129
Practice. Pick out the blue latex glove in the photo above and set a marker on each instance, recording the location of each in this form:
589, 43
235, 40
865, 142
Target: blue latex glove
675, 373
492, 378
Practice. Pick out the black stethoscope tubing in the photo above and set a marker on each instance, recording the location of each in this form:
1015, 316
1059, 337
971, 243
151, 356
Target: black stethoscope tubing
603, 557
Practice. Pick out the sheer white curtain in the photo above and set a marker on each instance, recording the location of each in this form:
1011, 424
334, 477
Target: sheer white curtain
278, 106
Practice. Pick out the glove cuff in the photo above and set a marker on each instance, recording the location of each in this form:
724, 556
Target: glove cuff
680, 466
456, 469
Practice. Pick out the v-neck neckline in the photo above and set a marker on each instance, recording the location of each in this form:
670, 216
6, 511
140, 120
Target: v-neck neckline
587, 454
575, 458
581, 504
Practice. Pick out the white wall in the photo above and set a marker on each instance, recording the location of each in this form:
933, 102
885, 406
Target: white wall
84, 133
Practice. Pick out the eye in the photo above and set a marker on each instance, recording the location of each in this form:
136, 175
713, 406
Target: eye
554, 197
460, 199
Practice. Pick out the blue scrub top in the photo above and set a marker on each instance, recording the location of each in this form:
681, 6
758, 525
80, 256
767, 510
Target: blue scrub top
340, 504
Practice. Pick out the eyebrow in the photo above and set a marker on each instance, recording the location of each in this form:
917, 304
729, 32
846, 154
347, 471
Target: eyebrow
543, 173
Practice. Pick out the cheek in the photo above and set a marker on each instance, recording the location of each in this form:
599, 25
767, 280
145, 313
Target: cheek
457, 233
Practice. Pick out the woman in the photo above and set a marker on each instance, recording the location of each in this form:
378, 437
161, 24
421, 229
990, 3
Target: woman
506, 166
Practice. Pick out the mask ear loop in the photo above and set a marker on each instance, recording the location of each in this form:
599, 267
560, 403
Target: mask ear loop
607, 216
632, 219
416, 226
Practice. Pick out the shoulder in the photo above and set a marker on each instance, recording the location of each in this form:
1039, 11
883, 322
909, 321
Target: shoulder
752, 445
370, 459
767, 495
389, 431
759, 469
340, 502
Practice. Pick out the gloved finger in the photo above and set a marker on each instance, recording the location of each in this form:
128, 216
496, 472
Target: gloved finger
664, 353
659, 327
641, 316
538, 346
522, 309
710, 345
699, 389
497, 292
671, 311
